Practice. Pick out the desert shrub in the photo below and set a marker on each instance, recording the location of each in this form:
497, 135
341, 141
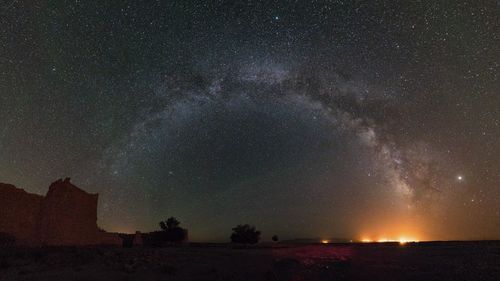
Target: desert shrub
127, 240
171, 233
153, 239
175, 234
7, 239
275, 238
162, 238
245, 234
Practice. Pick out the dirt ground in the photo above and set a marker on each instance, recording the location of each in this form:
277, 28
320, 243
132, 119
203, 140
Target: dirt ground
386, 261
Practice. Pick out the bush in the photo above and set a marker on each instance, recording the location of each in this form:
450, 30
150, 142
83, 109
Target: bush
171, 233
162, 238
7, 240
153, 239
245, 234
275, 238
127, 240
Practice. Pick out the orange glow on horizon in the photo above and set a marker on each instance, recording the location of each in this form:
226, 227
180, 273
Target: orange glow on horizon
401, 240
325, 241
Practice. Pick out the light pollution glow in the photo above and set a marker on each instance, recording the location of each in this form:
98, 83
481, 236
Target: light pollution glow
394, 232
401, 240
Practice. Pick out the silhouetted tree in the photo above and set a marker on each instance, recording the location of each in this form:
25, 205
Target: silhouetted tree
245, 234
275, 238
169, 223
172, 232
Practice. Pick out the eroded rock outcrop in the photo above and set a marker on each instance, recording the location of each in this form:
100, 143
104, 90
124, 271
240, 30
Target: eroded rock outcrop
19, 213
67, 215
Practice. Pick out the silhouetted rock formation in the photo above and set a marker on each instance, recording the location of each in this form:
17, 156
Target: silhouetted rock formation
19, 213
67, 215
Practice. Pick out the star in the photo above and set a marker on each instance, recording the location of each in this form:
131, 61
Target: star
296, 109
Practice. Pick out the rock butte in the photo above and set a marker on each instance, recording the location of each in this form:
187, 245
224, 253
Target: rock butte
67, 215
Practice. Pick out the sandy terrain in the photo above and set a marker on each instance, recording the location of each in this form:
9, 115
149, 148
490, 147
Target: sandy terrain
422, 261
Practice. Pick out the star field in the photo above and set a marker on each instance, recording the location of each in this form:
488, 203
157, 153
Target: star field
305, 118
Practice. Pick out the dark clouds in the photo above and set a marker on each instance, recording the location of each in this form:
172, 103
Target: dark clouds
349, 118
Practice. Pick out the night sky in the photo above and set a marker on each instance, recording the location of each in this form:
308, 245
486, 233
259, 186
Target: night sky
352, 119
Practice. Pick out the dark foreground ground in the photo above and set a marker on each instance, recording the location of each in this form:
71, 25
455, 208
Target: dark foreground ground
388, 261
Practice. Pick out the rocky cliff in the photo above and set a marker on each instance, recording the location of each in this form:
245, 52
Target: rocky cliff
19, 213
67, 215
